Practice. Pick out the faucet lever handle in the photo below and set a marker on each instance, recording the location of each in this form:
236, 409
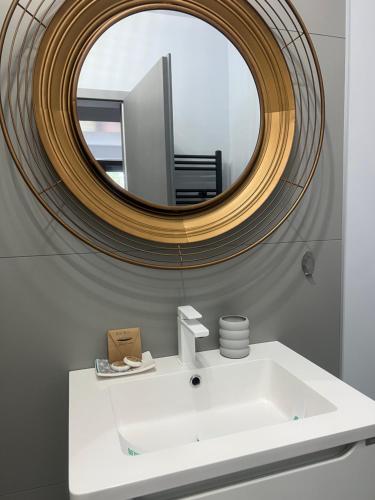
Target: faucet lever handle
188, 312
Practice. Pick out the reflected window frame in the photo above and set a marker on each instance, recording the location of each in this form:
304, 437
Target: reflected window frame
112, 166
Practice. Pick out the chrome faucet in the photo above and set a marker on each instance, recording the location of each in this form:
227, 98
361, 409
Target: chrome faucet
189, 329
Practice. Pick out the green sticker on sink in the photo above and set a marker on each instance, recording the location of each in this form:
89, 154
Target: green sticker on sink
132, 453
296, 418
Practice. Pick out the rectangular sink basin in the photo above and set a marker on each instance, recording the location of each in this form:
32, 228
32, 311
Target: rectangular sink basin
226, 399
153, 432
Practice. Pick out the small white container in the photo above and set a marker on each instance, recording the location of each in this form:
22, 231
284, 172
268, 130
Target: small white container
234, 336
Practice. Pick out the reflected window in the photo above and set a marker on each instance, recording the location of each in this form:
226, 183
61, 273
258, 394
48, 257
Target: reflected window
101, 125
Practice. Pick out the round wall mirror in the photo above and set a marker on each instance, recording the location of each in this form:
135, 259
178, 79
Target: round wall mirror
171, 135
175, 153
168, 108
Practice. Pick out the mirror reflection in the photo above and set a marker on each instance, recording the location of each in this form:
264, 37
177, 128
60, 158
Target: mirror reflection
168, 107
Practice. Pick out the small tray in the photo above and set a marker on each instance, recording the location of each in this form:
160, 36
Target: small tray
103, 367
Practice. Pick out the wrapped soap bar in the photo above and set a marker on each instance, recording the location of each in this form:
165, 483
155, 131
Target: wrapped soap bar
123, 343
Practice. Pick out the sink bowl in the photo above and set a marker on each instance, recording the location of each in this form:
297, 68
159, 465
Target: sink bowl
145, 436
229, 399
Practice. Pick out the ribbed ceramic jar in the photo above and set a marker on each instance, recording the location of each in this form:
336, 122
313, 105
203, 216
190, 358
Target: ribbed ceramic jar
234, 336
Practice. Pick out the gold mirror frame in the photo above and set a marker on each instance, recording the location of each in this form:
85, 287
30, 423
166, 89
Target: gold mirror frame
68, 38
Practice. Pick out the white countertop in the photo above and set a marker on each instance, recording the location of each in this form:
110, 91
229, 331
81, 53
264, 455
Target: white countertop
98, 468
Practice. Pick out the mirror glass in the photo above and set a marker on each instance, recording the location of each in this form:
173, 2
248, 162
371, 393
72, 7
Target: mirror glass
168, 107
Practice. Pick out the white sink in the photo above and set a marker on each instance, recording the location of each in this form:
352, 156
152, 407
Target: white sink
231, 398
155, 431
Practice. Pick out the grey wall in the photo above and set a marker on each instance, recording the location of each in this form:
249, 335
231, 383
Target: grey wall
359, 247
58, 297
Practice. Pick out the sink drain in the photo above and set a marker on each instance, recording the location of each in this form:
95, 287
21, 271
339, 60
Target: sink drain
195, 381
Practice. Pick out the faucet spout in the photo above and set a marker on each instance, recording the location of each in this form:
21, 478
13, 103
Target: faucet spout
189, 328
195, 327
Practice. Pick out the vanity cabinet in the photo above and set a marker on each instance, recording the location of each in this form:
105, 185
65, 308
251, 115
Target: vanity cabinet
348, 477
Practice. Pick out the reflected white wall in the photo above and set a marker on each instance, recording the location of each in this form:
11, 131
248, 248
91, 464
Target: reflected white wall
244, 113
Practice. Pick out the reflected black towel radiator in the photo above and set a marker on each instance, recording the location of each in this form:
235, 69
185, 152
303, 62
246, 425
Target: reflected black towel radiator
199, 164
